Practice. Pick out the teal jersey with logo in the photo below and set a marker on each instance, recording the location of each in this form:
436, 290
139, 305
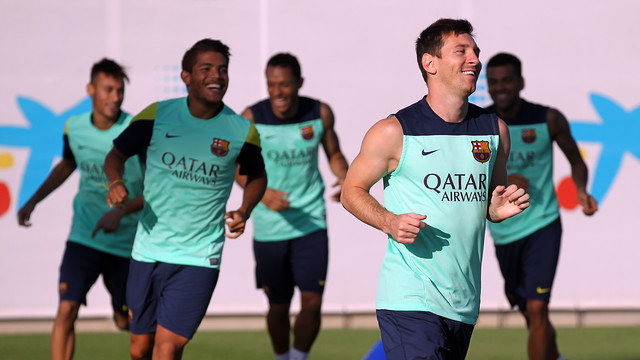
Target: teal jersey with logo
90, 146
532, 157
290, 152
191, 166
444, 173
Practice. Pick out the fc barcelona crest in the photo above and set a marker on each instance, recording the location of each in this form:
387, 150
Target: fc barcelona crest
529, 135
307, 132
481, 151
219, 147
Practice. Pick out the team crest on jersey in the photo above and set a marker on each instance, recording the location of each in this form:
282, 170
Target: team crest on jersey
481, 151
219, 147
62, 289
529, 135
307, 132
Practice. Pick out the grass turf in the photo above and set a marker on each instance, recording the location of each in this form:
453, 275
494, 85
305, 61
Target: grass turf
496, 344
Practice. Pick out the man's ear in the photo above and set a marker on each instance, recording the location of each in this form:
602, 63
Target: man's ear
521, 83
91, 89
186, 77
428, 63
300, 82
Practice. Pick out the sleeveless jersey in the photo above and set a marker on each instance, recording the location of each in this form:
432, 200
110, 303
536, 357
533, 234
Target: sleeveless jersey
444, 173
290, 152
532, 157
90, 146
191, 165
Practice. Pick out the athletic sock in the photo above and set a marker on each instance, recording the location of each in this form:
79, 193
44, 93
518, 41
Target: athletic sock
297, 354
560, 357
284, 356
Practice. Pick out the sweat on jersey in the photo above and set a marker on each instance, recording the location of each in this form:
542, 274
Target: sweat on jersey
190, 169
532, 157
88, 146
290, 152
444, 173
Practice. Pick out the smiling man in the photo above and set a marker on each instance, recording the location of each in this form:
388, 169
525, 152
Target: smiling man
290, 229
528, 246
443, 162
193, 147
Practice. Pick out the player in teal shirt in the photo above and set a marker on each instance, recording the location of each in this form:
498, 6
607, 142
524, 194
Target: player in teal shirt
193, 147
101, 238
528, 246
289, 224
443, 164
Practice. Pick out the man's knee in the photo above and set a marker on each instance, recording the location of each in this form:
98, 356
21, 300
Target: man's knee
121, 321
310, 301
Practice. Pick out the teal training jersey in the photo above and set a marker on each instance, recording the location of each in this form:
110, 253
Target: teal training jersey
290, 152
532, 157
444, 173
191, 166
90, 146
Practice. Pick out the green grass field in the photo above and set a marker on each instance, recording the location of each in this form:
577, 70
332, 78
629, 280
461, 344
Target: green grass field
495, 344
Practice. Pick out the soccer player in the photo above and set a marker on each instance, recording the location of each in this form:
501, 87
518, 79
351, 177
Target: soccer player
443, 163
101, 238
290, 228
528, 246
193, 146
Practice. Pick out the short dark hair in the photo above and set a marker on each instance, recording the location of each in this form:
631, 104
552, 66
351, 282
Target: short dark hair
108, 67
431, 39
286, 60
501, 59
190, 57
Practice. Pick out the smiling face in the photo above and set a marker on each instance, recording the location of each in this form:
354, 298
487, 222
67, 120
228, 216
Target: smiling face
458, 66
504, 86
107, 94
208, 79
283, 89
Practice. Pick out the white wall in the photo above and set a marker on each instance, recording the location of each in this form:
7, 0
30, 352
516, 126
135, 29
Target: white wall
357, 56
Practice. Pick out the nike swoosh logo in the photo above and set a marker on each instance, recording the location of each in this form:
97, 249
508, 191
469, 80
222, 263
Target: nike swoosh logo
270, 136
540, 290
425, 153
171, 136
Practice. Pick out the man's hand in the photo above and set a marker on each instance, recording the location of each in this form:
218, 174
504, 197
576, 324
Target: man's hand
507, 202
118, 194
109, 222
519, 181
405, 228
24, 214
336, 195
236, 222
589, 204
275, 200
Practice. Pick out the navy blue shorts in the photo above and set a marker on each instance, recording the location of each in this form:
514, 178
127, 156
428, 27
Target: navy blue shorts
173, 296
422, 335
80, 268
529, 265
282, 265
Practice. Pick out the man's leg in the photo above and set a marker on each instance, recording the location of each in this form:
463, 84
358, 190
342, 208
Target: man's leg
141, 346
168, 345
307, 324
542, 336
63, 334
279, 327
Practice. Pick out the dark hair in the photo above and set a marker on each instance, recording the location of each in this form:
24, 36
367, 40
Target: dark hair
108, 67
501, 59
432, 38
190, 57
286, 60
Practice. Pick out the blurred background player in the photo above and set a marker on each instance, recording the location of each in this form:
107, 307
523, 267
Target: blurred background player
443, 163
290, 228
193, 147
528, 246
101, 238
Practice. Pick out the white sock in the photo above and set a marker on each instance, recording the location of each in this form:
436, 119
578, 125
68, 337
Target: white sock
284, 356
297, 354
560, 357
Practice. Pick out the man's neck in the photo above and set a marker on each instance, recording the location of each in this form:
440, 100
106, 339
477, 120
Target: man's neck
510, 112
450, 108
102, 122
203, 110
